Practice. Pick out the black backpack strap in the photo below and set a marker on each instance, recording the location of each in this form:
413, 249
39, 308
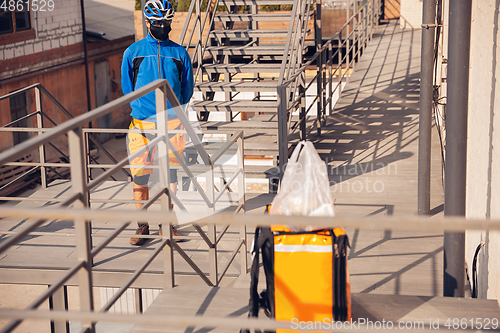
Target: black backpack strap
266, 245
254, 275
340, 246
254, 301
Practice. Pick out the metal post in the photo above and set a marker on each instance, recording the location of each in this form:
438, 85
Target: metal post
426, 103
323, 102
212, 231
339, 66
282, 130
41, 148
87, 155
165, 199
228, 95
302, 116
241, 202
83, 229
59, 302
212, 253
330, 78
138, 300
354, 39
198, 30
168, 251
371, 18
456, 143
364, 25
319, 66
347, 45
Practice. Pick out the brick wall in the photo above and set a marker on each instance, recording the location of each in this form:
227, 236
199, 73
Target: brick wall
52, 30
411, 13
483, 157
68, 87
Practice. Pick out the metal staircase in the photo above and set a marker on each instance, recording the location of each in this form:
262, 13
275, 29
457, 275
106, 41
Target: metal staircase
240, 63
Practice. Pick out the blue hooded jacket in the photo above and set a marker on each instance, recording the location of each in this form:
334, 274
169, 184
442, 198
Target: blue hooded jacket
150, 59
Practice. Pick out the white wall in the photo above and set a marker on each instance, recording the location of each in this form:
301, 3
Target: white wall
411, 13
483, 157
54, 29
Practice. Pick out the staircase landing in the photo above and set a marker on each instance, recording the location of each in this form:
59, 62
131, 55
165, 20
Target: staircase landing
407, 310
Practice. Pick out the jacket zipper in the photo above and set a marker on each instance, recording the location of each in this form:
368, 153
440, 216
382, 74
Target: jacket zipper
159, 65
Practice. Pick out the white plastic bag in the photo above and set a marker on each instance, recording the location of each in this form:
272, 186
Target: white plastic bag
305, 188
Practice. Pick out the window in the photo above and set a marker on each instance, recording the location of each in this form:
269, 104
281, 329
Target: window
19, 109
12, 22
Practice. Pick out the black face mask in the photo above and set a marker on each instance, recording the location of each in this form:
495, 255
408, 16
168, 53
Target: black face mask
160, 33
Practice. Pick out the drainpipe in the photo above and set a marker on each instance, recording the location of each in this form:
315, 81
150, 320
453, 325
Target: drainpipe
85, 56
456, 143
425, 115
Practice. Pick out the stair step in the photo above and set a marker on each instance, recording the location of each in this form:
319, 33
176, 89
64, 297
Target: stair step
235, 86
251, 171
250, 33
266, 145
237, 106
255, 2
243, 68
248, 126
252, 17
247, 50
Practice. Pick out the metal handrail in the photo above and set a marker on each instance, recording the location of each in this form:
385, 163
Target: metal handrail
163, 320
200, 48
289, 100
42, 298
297, 25
81, 197
407, 223
40, 88
14, 239
80, 121
134, 276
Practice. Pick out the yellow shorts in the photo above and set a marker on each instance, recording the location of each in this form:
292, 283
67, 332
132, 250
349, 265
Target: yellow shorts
136, 141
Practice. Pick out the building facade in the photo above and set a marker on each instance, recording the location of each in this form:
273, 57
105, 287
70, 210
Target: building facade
483, 155
483, 141
45, 45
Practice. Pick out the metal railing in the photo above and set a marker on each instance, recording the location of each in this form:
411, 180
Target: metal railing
294, 44
199, 28
82, 186
292, 92
297, 30
40, 115
346, 45
83, 216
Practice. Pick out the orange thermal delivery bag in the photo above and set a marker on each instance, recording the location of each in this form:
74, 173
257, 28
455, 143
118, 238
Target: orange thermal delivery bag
307, 276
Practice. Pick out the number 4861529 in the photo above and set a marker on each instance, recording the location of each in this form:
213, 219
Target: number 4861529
477, 323
27, 5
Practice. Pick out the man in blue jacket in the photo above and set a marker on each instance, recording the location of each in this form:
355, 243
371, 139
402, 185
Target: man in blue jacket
154, 57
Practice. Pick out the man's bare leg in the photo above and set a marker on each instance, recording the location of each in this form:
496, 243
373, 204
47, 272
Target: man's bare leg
140, 193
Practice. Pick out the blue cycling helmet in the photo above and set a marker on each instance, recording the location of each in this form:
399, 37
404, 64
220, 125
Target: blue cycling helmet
158, 10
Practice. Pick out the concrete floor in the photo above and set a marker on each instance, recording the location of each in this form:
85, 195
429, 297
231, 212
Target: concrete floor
370, 144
